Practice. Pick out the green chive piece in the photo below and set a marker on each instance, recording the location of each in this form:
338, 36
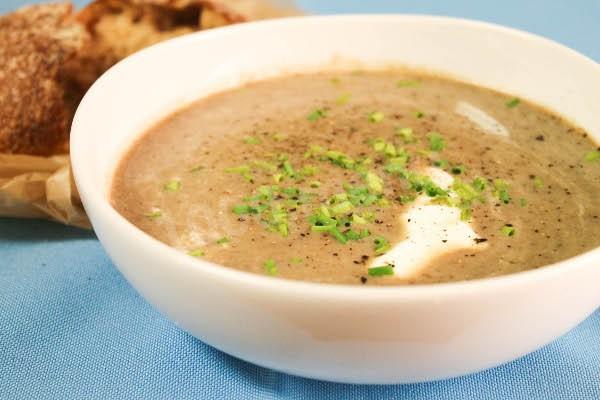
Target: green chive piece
289, 170
154, 213
465, 214
457, 169
592, 156
197, 168
335, 81
343, 99
508, 230
374, 182
338, 235
419, 114
407, 83
381, 270
316, 115
406, 199
436, 141
538, 182
443, 164
342, 208
173, 185
315, 184
308, 170
267, 166
223, 241
270, 267
381, 245
376, 116
196, 253
357, 219
243, 170
340, 159
480, 183
512, 103
245, 209
501, 191
251, 140
406, 134
277, 177
522, 202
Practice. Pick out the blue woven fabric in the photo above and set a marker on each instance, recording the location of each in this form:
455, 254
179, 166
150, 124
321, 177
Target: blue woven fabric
72, 328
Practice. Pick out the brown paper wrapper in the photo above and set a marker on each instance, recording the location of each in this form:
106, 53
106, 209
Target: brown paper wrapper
40, 187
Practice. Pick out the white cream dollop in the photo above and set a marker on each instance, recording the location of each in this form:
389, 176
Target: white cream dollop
432, 230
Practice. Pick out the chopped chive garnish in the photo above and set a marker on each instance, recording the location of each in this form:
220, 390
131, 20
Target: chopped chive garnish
374, 182
522, 202
270, 267
243, 170
342, 208
154, 213
315, 184
592, 156
267, 166
316, 115
357, 219
376, 116
457, 169
223, 241
406, 199
407, 83
538, 182
197, 168
251, 140
343, 99
173, 185
406, 134
501, 191
443, 164
288, 169
436, 141
196, 253
381, 245
335, 81
381, 271
419, 114
334, 231
277, 177
512, 103
245, 209
480, 183
508, 230
308, 170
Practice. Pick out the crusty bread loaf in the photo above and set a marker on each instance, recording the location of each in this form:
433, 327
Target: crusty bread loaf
49, 57
119, 28
36, 104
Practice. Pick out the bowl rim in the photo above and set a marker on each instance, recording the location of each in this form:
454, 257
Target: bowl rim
93, 196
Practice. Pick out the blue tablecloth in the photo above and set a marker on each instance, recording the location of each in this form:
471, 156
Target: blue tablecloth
71, 327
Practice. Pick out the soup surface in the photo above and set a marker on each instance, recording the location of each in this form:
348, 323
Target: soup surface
379, 177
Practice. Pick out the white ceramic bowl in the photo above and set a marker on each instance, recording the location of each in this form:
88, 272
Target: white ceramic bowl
339, 333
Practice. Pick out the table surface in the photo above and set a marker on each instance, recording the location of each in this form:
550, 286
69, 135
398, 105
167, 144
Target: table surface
71, 327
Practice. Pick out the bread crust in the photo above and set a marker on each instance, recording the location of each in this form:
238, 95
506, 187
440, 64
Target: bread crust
36, 105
